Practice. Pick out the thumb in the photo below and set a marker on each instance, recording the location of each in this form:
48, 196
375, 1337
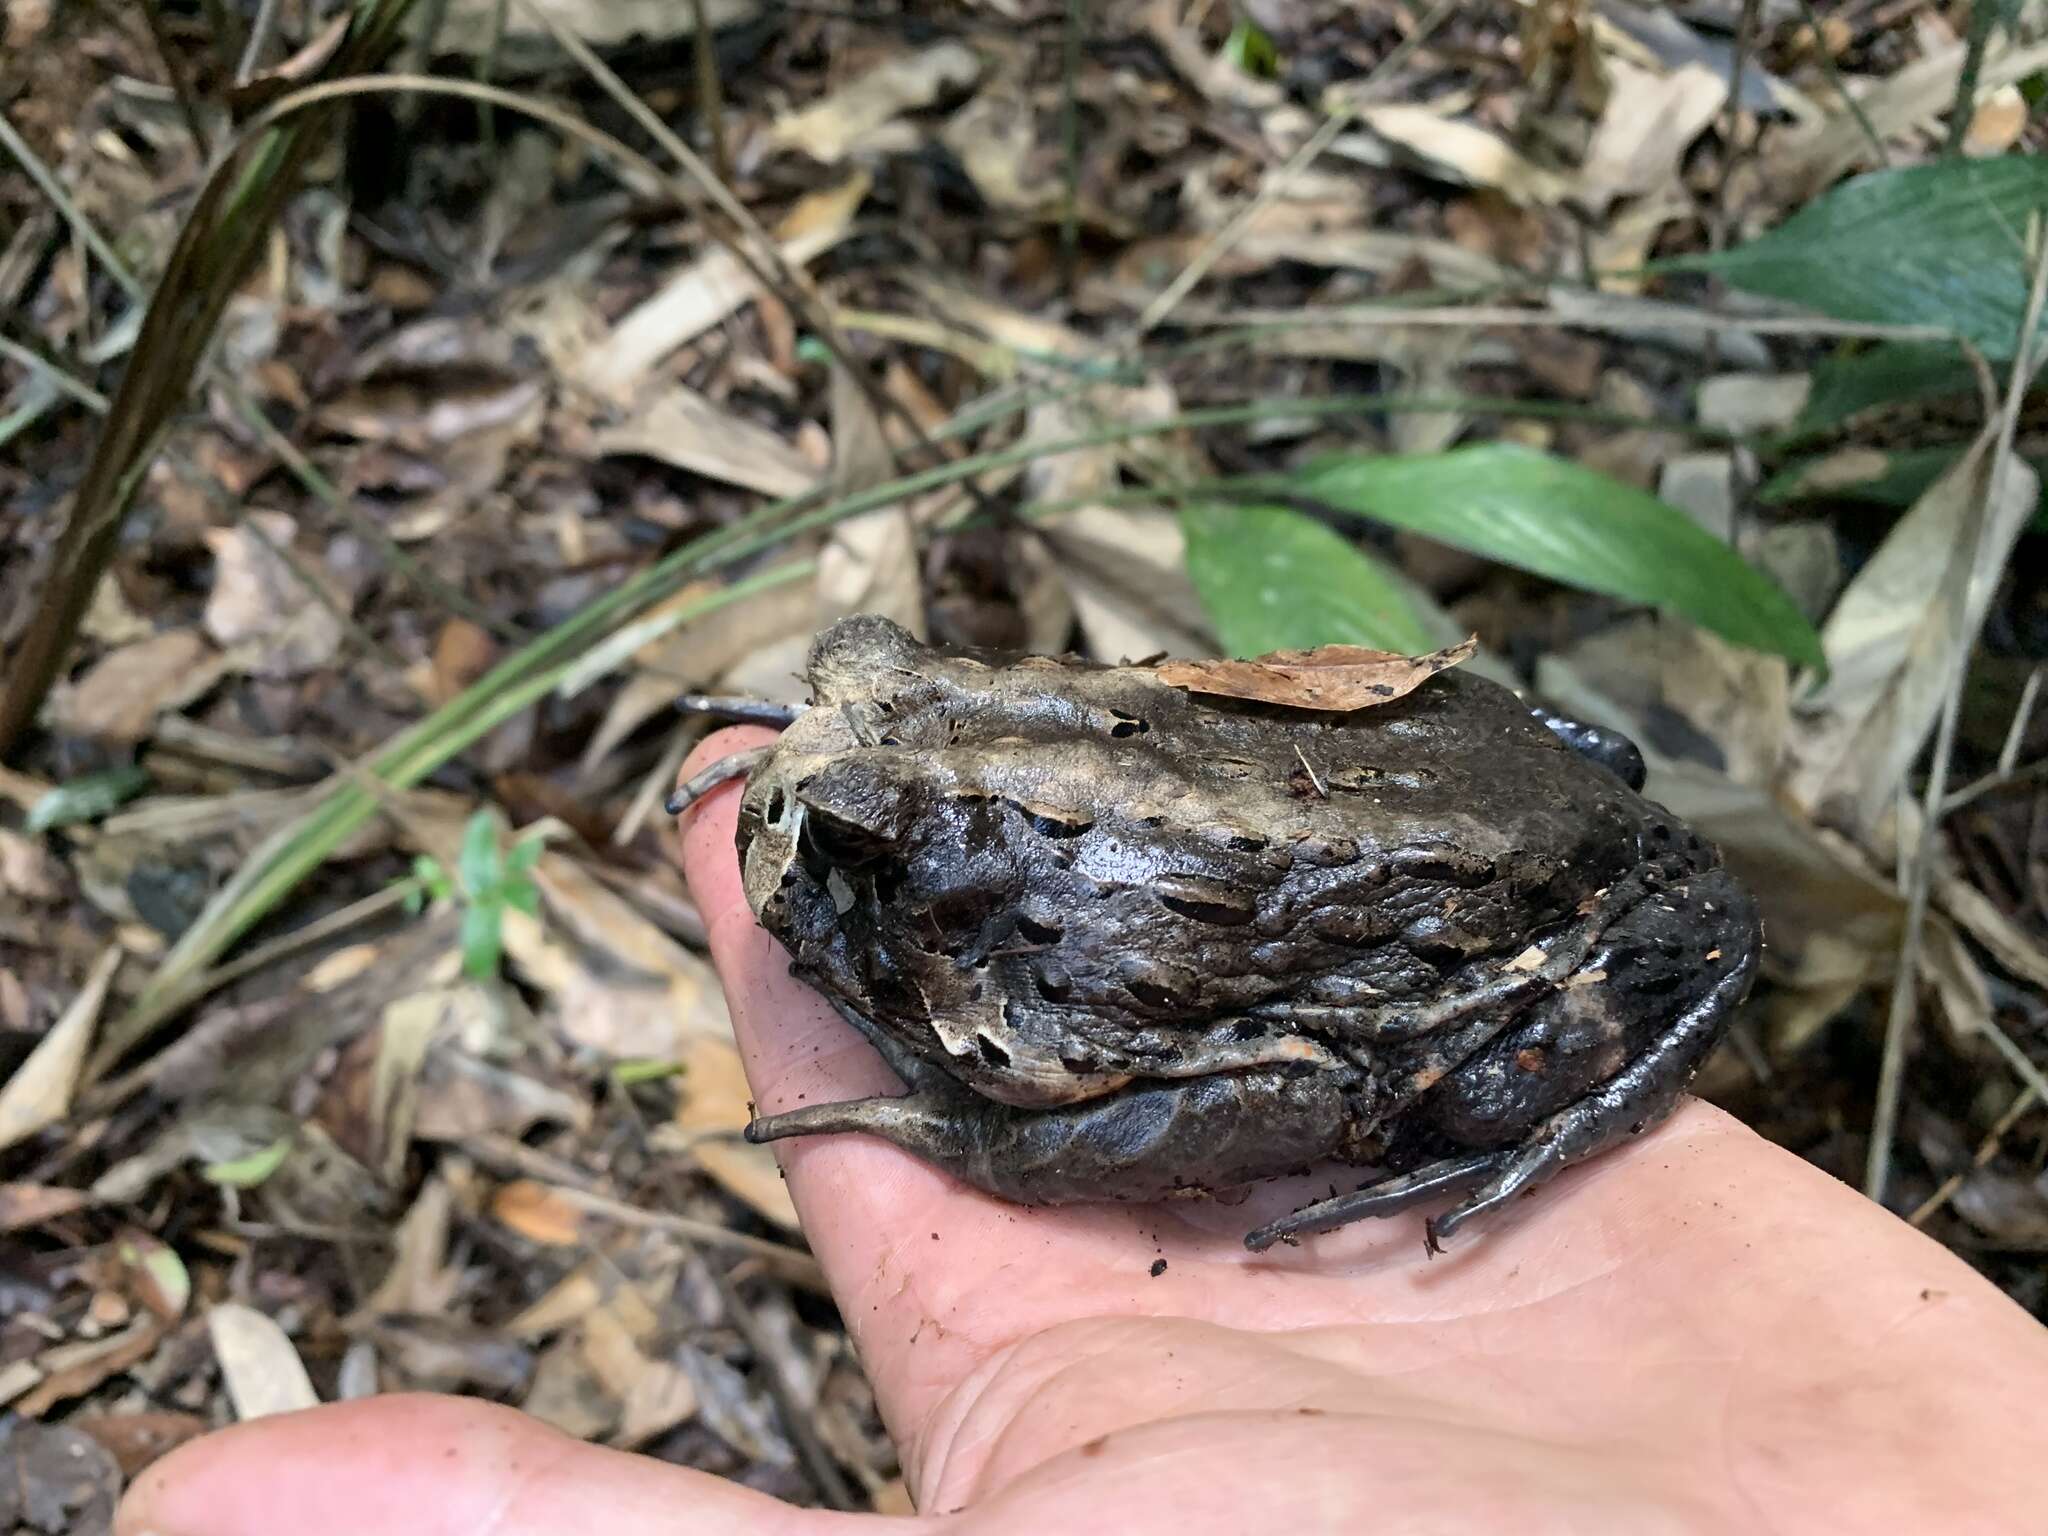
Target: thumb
441, 1466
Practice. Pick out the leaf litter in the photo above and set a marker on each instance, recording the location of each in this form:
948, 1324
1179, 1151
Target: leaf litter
1325, 325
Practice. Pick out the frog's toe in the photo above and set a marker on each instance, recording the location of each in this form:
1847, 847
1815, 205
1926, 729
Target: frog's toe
1384, 1197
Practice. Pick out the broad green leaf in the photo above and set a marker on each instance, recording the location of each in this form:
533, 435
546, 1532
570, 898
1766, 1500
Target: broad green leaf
86, 799
1941, 244
482, 864
1892, 373
1571, 524
249, 1171
524, 855
483, 937
1274, 580
524, 896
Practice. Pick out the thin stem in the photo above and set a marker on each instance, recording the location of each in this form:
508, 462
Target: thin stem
1892, 1065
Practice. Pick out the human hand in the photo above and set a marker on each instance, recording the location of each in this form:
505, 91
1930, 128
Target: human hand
1697, 1331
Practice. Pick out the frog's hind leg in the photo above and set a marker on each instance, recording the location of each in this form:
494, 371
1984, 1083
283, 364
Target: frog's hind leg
1383, 1197
1543, 1083
1146, 1141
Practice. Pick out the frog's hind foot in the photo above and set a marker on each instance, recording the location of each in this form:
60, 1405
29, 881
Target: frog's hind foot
1383, 1197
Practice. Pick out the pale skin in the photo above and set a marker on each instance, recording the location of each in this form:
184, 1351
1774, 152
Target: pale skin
1697, 1332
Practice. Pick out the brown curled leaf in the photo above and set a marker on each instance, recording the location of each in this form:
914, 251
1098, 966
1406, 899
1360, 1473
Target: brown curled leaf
1331, 677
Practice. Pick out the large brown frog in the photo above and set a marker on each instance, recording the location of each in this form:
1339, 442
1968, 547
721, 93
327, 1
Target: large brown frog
1126, 942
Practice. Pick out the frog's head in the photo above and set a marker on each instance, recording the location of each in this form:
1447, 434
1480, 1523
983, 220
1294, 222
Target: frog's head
864, 657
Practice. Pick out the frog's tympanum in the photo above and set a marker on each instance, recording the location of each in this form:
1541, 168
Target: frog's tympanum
1124, 941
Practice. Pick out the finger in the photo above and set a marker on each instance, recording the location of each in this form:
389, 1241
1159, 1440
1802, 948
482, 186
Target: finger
437, 1466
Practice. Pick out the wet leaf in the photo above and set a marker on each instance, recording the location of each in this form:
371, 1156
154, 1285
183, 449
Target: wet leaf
1331, 677
1940, 244
1573, 525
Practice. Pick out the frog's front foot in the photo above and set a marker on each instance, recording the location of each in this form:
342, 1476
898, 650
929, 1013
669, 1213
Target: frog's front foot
1146, 1141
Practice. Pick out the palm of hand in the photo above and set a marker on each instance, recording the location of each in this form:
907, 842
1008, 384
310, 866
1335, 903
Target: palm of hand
1698, 1332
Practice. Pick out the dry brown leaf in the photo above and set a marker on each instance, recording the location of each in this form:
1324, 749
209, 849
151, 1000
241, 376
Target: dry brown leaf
682, 428
1336, 678
72, 1370
716, 1104
709, 289
124, 692
1890, 640
538, 1214
27, 873
257, 597
30, 1205
1464, 152
1649, 122
39, 1091
262, 1370
832, 128
616, 983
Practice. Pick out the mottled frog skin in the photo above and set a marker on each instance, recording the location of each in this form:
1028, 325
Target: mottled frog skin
1127, 942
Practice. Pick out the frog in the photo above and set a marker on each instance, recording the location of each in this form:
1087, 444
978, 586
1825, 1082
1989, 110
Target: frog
1125, 941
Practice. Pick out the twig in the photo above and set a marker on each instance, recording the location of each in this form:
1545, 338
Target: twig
259, 39
1070, 140
81, 226
710, 97
1276, 182
1892, 1068
181, 86
1984, 15
792, 1264
1987, 1149
1834, 74
60, 380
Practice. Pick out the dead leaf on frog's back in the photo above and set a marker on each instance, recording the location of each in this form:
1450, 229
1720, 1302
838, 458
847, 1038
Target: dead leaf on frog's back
1336, 678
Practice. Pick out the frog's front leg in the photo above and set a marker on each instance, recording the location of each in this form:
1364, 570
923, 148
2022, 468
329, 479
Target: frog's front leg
1146, 1141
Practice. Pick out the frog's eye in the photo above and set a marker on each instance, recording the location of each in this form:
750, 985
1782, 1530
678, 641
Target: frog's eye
1598, 744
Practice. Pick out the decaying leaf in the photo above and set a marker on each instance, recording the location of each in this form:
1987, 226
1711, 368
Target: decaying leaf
125, 690
1334, 678
39, 1092
1891, 639
258, 597
830, 129
681, 427
263, 1371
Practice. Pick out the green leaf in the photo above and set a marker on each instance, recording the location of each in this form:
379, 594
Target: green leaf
249, 1171
645, 1070
1274, 580
482, 863
86, 799
1251, 51
415, 899
1940, 244
524, 895
1572, 524
483, 938
1892, 373
524, 855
